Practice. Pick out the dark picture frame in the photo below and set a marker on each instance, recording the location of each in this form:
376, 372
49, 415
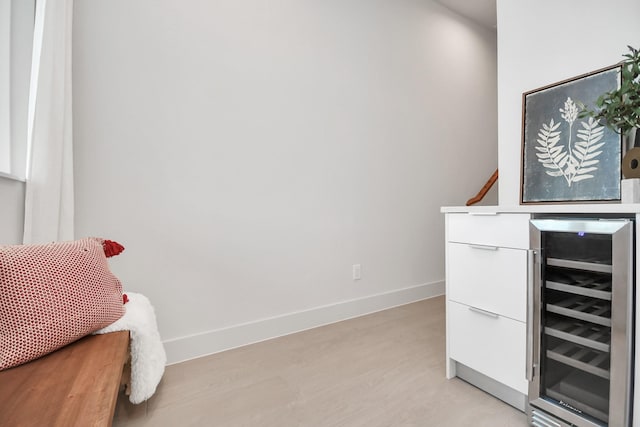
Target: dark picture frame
566, 159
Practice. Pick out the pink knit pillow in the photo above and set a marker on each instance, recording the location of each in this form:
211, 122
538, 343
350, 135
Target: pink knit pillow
52, 295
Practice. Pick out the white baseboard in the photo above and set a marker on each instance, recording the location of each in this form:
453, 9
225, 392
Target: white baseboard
203, 344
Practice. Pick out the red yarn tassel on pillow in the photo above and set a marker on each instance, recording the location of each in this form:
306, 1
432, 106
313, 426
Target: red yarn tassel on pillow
111, 248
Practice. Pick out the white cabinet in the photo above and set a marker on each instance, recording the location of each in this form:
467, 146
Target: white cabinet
487, 268
488, 277
491, 344
505, 229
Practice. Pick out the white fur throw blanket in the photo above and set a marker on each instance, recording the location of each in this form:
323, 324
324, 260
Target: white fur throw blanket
148, 357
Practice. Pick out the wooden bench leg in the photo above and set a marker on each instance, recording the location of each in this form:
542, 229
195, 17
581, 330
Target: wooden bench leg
125, 380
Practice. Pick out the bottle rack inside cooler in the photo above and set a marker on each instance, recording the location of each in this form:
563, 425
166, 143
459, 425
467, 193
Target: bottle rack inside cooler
578, 331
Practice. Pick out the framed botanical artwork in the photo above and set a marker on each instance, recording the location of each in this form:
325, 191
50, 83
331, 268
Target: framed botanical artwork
567, 159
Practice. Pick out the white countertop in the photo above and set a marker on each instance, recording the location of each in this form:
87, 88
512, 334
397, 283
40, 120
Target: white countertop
547, 208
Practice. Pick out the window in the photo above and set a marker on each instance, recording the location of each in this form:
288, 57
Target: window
5, 85
16, 39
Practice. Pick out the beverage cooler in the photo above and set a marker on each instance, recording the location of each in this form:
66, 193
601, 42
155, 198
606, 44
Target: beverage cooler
580, 321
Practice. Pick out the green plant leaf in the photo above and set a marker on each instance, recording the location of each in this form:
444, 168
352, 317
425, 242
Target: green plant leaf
619, 109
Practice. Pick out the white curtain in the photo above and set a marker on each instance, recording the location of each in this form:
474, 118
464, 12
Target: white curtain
49, 192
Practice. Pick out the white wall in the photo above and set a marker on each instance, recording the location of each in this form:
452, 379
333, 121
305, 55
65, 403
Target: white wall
546, 41
247, 153
11, 210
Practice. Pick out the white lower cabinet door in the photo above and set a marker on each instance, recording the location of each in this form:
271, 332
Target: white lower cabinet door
488, 343
488, 277
506, 230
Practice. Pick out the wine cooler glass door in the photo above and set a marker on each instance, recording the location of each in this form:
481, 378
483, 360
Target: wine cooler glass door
582, 320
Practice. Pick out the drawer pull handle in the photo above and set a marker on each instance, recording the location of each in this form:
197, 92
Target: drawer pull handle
484, 247
484, 312
484, 213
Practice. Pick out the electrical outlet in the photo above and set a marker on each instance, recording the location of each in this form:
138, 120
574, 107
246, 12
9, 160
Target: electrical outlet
356, 272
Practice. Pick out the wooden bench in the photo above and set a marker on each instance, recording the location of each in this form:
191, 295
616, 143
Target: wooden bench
76, 385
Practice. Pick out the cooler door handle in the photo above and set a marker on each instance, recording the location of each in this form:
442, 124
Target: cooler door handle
531, 259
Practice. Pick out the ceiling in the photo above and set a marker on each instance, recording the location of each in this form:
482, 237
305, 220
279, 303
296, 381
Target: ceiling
480, 11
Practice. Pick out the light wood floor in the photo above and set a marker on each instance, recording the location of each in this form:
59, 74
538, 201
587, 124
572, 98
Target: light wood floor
383, 369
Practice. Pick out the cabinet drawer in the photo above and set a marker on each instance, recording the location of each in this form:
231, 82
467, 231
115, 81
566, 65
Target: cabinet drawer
490, 278
493, 346
507, 230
